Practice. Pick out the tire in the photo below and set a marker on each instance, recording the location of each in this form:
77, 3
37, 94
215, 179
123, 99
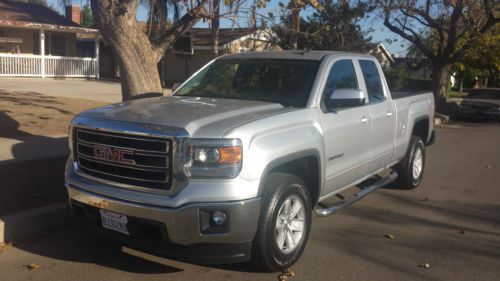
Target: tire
411, 168
278, 243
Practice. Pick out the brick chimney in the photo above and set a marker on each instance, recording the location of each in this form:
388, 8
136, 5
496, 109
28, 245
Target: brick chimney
73, 13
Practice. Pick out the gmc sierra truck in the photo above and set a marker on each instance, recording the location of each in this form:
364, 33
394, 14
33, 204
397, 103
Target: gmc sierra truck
232, 165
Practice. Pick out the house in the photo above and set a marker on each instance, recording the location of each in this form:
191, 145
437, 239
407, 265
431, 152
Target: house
35, 41
379, 51
195, 51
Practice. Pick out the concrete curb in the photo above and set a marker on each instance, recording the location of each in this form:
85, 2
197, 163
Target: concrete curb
33, 221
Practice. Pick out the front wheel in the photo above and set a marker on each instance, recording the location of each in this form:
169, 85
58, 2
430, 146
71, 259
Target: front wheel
284, 224
411, 168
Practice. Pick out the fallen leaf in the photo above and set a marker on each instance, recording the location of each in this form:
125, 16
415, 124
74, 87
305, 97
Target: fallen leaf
390, 236
33, 266
489, 167
4, 245
285, 274
462, 231
425, 265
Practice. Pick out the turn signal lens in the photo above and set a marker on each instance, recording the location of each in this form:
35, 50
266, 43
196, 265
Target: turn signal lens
229, 154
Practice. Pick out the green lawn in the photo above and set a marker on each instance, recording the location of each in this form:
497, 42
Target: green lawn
455, 94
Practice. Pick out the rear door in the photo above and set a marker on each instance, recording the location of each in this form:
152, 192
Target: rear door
382, 113
347, 130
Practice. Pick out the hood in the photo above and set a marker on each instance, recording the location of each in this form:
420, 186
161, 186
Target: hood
201, 117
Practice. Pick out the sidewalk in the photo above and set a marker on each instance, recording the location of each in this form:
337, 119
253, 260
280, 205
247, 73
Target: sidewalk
32, 147
94, 90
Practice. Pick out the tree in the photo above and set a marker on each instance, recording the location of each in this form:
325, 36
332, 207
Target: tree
456, 26
87, 18
481, 61
136, 53
333, 26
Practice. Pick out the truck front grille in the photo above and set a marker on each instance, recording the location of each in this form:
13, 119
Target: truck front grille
127, 159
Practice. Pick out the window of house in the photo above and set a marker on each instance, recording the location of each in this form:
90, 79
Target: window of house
372, 80
341, 76
58, 45
3, 47
36, 43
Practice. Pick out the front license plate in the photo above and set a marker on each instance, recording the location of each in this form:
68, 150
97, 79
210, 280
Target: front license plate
114, 221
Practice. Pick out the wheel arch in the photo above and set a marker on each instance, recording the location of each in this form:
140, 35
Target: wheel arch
305, 164
421, 128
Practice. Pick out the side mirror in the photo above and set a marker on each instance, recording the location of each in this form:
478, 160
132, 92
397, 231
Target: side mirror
175, 86
342, 98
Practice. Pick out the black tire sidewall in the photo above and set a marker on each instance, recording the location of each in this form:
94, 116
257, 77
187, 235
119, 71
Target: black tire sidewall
291, 258
416, 143
273, 258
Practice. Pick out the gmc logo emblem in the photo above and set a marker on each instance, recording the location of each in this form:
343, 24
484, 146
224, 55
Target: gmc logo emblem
113, 154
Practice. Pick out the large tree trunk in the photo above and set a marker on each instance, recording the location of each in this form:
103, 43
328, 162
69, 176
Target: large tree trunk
134, 53
440, 77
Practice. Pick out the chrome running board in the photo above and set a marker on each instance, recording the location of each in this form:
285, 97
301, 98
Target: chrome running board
323, 211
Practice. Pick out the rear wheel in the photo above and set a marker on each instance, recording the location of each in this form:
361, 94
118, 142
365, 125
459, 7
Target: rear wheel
284, 224
411, 168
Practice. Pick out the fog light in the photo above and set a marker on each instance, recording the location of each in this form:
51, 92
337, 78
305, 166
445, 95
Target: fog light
219, 218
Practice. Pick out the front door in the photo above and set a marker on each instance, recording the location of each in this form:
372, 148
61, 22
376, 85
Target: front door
347, 130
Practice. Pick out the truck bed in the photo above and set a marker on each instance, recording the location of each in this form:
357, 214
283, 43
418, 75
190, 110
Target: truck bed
403, 94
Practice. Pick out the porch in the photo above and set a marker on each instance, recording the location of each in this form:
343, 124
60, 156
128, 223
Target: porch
43, 50
28, 65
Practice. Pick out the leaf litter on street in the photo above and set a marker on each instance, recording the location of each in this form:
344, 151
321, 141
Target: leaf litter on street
33, 266
4, 246
285, 274
426, 265
389, 236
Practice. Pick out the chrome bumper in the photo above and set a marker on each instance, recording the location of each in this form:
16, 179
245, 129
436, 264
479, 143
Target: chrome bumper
183, 224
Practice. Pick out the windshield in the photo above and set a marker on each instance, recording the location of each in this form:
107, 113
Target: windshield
287, 82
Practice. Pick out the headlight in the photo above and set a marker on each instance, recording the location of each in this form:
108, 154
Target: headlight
217, 158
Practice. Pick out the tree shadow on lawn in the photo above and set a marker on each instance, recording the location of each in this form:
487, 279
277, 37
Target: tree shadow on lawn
33, 99
32, 174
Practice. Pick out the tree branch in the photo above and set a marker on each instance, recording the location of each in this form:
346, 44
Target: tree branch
490, 22
414, 38
178, 28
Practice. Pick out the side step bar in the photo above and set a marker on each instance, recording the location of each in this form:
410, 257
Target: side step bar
344, 202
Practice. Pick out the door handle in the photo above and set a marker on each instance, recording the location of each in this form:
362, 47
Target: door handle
365, 120
388, 113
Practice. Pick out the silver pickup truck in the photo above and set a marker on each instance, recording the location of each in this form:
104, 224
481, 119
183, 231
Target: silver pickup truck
232, 166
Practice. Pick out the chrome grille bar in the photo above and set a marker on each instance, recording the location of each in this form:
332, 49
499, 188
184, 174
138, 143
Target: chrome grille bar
139, 161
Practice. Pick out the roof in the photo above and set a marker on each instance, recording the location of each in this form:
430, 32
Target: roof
303, 55
35, 16
201, 36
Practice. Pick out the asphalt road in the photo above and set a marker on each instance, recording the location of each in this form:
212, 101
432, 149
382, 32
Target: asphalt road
451, 222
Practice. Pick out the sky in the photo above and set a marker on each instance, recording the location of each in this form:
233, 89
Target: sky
396, 46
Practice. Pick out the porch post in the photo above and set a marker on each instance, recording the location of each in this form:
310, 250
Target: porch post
42, 52
97, 55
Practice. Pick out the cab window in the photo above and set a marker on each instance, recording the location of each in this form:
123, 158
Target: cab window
341, 76
372, 81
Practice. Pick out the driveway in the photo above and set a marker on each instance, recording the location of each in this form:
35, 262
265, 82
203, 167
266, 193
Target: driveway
94, 90
450, 222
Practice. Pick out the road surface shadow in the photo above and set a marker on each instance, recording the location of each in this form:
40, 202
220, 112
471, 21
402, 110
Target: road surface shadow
73, 243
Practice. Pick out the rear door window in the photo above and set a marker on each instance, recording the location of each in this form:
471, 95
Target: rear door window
372, 81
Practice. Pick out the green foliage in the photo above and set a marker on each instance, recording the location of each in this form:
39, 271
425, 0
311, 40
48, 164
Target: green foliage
87, 18
333, 26
481, 61
399, 78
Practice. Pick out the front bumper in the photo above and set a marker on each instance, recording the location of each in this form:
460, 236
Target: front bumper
183, 224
